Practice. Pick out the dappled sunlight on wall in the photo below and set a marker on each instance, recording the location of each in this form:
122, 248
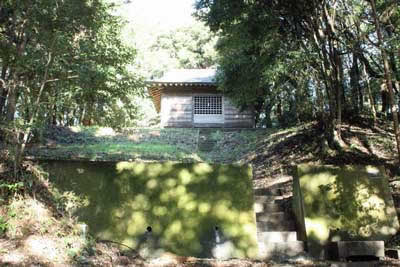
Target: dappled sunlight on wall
182, 204
343, 204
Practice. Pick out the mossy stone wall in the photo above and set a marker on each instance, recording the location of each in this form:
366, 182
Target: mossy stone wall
182, 203
343, 204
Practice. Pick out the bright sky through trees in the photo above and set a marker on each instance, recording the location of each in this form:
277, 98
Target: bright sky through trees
165, 13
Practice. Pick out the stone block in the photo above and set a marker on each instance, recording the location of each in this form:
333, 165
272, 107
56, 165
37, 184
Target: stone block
356, 264
276, 226
266, 199
267, 207
392, 253
342, 203
280, 249
348, 249
268, 237
272, 217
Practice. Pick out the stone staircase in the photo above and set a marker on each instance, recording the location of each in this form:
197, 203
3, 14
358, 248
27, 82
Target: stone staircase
276, 228
205, 142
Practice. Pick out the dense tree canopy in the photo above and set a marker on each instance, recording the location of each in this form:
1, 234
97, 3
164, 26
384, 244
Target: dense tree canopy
62, 62
309, 59
189, 47
65, 62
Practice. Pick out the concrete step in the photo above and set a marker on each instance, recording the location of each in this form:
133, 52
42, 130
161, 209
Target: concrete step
348, 249
267, 207
268, 237
268, 191
276, 226
357, 264
206, 145
267, 199
279, 249
207, 130
398, 210
207, 141
272, 216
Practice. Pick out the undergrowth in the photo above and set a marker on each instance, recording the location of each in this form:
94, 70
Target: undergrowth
33, 212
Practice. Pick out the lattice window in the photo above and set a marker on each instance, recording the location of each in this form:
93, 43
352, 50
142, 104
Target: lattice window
208, 105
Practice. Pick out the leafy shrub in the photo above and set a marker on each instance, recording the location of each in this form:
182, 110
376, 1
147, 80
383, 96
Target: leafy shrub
3, 225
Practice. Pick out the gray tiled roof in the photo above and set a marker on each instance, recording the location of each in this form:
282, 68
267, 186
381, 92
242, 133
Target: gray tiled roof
192, 76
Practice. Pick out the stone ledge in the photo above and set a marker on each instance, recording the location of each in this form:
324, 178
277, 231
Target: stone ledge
345, 249
280, 249
268, 237
392, 253
356, 264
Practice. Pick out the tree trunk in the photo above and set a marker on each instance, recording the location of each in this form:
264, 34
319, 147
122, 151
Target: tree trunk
320, 101
354, 83
388, 79
268, 109
385, 99
27, 132
11, 102
370, 96
338, 122
3, 88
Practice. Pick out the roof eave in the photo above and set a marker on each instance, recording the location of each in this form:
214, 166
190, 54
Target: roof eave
151, 83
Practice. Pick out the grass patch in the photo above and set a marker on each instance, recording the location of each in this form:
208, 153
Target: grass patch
233, 145
104, 144
124, 151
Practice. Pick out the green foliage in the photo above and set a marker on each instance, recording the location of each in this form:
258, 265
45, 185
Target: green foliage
10, 188
68, 64
191, 47
99, 143
3, 225
293, 68
258, 64
216, 135
104, 144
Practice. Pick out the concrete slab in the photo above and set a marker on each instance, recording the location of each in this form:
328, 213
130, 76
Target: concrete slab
279, 249
268, 191
266, 199
181, 203
264, 207
360, 248
356, 264
268, 237
276, 226
392, 253
342, 203
272, 217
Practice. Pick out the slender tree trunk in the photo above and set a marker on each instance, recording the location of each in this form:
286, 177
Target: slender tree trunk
83, 114
370, 96
268, 110
388, 79
385, 99
339, 87
320, 99
3, 88
357, 90
26, 134
11, 101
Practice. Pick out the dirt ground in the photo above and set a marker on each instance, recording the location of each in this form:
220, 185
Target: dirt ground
41, 232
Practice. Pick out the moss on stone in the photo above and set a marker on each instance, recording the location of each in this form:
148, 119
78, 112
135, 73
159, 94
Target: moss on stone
344, 203
182, 203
